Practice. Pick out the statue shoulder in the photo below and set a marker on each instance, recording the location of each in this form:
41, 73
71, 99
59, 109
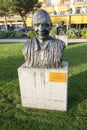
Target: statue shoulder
27, 45
29, 41
60, 42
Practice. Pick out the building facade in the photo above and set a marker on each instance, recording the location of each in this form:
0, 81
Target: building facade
63, 6
72, 12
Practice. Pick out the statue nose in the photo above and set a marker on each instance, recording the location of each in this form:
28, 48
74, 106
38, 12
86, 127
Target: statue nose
41, 28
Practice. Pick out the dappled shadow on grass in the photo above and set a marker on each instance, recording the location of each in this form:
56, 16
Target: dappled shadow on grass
2, 43
73, 43
15, 117
77, 89
9, 66
76, 55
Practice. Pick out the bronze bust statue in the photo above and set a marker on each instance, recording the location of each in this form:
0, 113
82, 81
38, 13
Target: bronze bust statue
43, 51
61, 28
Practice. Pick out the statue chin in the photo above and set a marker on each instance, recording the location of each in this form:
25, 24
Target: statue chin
43, 37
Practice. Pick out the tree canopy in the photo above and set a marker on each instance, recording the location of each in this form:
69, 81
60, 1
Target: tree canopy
19, 7
24, 7
4, 7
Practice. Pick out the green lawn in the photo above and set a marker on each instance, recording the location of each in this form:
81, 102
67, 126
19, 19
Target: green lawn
14, 117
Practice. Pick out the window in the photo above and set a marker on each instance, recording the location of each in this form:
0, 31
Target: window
62, 12
86, 1
86, 9
78, 10
79, 0
48, 2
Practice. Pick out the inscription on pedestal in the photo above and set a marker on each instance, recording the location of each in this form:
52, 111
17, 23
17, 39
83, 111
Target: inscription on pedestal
57, 77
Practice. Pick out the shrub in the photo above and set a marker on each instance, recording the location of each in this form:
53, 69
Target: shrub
71, 33
77, 33
83, 32
11, 34
20, 35
3, 35
85, 35
30, 34
53, 32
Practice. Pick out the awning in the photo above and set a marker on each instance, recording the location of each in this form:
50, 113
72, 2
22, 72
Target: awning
63, 8
49, 9
79, 5
41, 0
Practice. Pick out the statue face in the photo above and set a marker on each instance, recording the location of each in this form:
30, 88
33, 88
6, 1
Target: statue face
41, 25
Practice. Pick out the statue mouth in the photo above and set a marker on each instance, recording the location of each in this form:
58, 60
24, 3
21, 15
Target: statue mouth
42, 33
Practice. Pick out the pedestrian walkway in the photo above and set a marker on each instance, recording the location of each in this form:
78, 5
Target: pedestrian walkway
24, 40
13, 40
76, 40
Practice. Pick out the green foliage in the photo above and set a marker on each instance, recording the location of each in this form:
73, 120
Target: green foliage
15, 117
3, 35
85, 35
83, 32
30, 34
73, 33
20, 35
77, 33
20, 7
11, 34
53, 32
5, 8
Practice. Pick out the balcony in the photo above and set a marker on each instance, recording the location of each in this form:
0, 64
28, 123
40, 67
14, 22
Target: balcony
78, 1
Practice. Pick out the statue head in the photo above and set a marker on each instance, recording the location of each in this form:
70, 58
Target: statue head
42, 24
61, 22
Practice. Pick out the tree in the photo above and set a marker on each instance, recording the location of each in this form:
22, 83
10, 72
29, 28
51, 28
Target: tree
4, 7
19, 7
70, 12
5, 10
24, 7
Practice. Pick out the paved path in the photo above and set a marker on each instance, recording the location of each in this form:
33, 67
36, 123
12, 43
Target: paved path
13, 40
24, 40
76, 40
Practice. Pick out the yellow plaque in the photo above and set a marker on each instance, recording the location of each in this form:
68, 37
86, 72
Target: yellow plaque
57, 77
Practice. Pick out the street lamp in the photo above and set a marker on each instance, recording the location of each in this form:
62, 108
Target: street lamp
69, 11
67, 21
5, 22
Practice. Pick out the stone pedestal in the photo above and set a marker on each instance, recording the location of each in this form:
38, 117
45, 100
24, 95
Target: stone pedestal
63, 38
44, 88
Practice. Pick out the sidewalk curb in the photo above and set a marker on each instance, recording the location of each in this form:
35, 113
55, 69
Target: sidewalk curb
13, 40
24, 40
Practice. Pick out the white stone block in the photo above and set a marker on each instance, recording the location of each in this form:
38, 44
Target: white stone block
44, 88
63, 38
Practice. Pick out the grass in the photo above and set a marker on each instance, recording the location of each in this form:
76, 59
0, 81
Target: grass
15, 117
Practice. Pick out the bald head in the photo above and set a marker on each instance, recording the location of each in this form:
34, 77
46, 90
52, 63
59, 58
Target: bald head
41, 24
41, 16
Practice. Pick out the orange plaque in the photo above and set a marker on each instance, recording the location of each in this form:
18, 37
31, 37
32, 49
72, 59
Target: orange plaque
57, 77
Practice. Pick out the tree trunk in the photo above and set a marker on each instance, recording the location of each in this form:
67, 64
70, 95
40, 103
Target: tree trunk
5, 21
70, 21
23, 19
